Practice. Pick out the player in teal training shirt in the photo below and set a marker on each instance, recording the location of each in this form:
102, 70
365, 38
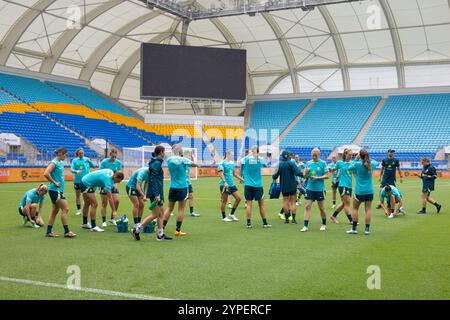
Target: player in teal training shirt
344, 179
253, 189
104, 179
227, 186
178, 191
113, 164
81, 166
393, 197
55, 175
136, 190
316, 171
28, 206
334, 181
363, 169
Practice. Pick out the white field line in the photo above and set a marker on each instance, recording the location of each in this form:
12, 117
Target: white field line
89, 290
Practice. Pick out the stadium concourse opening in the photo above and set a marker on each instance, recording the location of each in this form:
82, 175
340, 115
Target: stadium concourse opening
284, 150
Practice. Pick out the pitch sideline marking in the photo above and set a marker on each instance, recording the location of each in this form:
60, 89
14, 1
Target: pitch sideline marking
89, 290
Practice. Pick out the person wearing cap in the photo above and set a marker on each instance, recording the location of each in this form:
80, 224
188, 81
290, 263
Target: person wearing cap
389, 167
29, 205
287, 172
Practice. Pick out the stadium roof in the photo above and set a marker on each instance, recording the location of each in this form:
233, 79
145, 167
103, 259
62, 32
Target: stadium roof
356, 45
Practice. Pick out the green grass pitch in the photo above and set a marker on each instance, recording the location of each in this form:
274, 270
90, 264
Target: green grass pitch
219, 260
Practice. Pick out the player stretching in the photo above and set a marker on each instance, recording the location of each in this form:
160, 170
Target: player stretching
392, 196
227, 186
55, 175
155, 192
363, 169
81, 166
343, 178
316, 171
115, 165
28, 206
178, 191
287, 172
192, 213
334, 181
253, 165
428, 176
104, 179
388, 174
136, 193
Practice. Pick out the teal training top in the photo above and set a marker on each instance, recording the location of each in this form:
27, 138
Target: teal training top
345, 176
114, 166
394, 191
332, 166
177, 170
139, 176
31, 197
227, 167
102, 178
188, 172
252, 170
363, 177
58, 175
316, 169
81, 164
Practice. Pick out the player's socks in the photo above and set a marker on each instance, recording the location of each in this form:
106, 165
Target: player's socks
305, 223
165, 223
139, 219
324, 221
191, 209
223, 215
249, 222
293, 218
334, 202
287, 216
178, 227
135, 220
85, 220
264, 221
78, 206
93, 223
367, 227
103, 219
66, 229
335, 214
438, 207
355, 225
233, 210
49, 229
349, 217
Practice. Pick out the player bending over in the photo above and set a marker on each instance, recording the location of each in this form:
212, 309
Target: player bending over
105, 179
288, 172
178, 191
345, 184
28, 206
155, 192
80, 167
316, 171
393, 197
55, 175
113, 164
253, 165
136, 193
363, 169
428, 176
227, 186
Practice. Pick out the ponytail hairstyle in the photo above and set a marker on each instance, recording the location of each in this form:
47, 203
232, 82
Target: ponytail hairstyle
344, 155
78, 151
364, 154
158, 150
60, 150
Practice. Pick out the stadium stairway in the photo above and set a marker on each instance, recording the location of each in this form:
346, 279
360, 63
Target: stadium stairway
369, 122
292, 124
